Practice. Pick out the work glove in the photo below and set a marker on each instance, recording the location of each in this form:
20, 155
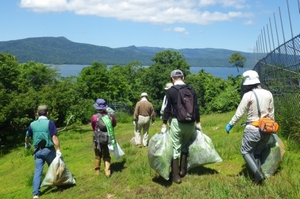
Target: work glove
163, 129
198, 127
58, 153
27, 146
228, 127
134, 122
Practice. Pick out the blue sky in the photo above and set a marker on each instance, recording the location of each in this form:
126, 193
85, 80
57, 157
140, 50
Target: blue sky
226, 24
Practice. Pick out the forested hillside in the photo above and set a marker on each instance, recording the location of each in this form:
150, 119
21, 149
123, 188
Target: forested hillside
23, 86
59, 50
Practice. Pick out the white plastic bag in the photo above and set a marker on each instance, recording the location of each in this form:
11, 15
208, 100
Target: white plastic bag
202, 151
58, 174
160, 154
116, 150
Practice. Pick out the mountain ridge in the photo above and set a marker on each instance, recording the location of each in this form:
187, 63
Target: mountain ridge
60, 50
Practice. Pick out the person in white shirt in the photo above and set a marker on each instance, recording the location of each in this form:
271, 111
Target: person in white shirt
253, 141
164, 104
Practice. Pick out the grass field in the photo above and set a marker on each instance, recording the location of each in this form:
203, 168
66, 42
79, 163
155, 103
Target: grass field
132, 176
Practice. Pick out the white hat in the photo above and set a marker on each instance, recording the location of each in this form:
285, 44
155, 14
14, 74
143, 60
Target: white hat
144, 95
168, 85
250, 77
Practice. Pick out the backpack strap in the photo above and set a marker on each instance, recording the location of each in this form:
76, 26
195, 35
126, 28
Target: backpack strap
107, 121
258, 109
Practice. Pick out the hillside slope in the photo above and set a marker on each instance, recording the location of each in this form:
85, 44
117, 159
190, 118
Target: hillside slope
60, 50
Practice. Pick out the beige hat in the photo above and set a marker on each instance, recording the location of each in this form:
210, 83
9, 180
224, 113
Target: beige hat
144, 95
168, 85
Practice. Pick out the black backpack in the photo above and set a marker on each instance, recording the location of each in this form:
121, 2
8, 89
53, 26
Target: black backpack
185, 104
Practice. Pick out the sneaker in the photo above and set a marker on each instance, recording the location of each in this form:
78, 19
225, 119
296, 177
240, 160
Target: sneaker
35, 196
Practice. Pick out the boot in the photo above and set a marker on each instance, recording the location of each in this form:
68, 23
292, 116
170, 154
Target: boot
97, 165
183, 164
176, 178
256, 170
107, 169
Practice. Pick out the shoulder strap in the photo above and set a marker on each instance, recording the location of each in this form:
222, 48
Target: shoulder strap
178, 87
258, 109
99, 116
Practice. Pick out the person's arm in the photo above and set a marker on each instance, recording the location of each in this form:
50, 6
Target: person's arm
27, 138
136, 111
163, 106
153, 115
113, 120
167, 110
56, 142
94, 122
53, 133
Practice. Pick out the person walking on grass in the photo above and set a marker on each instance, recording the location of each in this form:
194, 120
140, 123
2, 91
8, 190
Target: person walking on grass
102, 123
43, 132
181, 131
164, 103
142, 115
254, 141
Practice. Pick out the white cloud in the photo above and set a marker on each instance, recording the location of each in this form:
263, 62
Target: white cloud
226, 3
249, 22
147, 11
181, 30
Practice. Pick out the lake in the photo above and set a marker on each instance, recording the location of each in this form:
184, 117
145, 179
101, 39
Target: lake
222, 72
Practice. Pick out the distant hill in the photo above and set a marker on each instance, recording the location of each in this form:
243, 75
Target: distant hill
59, 50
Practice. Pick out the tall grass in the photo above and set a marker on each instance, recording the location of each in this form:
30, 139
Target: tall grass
133, 178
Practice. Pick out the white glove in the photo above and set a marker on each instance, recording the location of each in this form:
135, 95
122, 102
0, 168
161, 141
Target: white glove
163, 129
58, 153
198, 127
27, 146
134, 122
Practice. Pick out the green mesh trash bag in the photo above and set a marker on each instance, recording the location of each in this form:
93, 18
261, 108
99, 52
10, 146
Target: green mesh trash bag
160, 154
272, 155
201, 151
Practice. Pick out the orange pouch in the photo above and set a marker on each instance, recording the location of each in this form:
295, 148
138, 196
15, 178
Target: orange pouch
266, 125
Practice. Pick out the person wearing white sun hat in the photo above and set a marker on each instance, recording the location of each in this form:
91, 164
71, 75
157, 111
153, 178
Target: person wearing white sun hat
143, 113
254, 141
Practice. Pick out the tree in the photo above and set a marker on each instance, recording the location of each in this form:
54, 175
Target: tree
157, 75
238, 60
93, 81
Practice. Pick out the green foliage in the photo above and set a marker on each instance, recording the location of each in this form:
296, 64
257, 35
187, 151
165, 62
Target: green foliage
289, 124
122, 117
71, 100
157, 75
238, 60
215, 95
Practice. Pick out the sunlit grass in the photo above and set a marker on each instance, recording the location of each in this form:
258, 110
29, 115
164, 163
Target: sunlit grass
133, 178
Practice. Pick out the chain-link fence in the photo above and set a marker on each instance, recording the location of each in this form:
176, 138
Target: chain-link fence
279, 69
279, 73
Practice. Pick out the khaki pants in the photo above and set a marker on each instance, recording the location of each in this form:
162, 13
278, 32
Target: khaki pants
141, 130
